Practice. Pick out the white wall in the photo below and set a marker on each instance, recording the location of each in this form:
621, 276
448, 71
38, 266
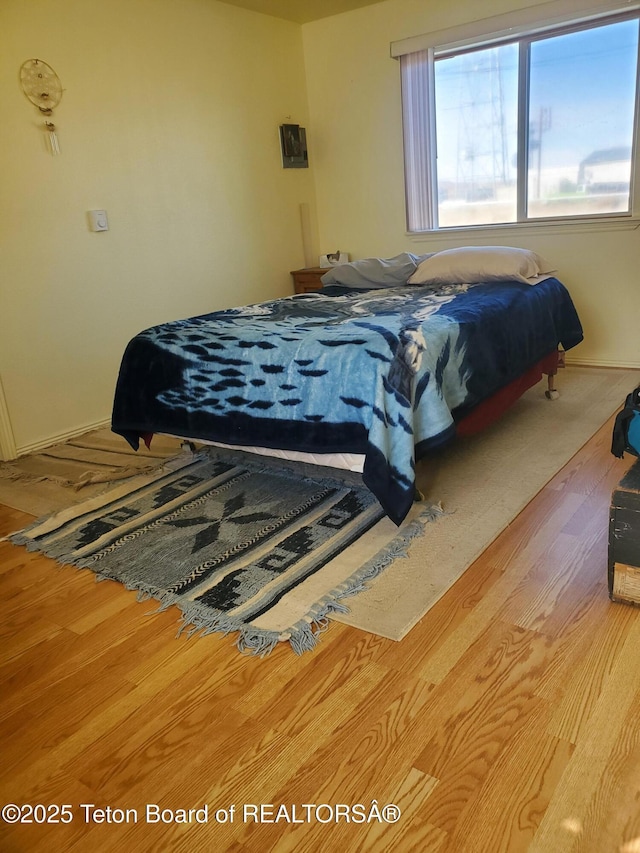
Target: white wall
355, 108
169, 120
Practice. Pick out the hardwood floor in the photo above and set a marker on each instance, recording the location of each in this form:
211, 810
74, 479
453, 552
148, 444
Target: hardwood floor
507, 720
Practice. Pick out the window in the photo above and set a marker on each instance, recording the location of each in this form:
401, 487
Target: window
520, 129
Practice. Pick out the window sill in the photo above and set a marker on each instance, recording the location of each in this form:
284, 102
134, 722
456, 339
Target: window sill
564, 226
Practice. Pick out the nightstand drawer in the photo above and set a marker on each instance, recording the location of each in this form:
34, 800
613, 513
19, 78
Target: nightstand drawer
307, 280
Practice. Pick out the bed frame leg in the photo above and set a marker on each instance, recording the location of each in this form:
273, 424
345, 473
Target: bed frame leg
552, 393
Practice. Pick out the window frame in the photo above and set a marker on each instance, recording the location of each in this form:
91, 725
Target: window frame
418, 56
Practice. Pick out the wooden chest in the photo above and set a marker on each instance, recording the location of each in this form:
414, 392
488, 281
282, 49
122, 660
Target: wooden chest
624, 538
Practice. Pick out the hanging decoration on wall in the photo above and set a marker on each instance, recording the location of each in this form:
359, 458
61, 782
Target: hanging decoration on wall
42, 86
293, 140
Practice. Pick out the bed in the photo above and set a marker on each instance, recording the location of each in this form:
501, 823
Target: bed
389, 361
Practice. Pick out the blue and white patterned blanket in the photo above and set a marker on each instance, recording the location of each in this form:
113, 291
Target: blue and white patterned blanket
380, 372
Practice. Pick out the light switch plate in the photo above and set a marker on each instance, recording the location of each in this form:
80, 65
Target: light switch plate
98, 220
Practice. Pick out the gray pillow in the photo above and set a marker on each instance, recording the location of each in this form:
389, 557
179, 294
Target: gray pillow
374, 272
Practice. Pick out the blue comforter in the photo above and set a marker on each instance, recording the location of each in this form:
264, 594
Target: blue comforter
382, 372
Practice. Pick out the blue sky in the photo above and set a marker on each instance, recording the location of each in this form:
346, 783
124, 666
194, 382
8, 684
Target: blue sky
585, 81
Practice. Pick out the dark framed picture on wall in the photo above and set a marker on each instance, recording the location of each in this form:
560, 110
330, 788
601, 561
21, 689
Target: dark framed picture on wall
293, 140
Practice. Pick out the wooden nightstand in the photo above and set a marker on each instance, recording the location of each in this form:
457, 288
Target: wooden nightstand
307, 280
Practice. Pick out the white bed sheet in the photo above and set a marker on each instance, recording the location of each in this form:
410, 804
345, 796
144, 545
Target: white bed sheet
344, 461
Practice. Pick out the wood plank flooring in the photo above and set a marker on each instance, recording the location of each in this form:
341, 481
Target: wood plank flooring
507, 720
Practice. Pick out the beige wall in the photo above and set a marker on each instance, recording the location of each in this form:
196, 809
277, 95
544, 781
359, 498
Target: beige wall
169, 120
354, 102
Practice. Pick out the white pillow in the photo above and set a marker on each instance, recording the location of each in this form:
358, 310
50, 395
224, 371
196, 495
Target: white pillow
474, 264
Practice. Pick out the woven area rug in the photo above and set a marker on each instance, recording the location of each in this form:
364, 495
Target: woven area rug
265, 550
55, 477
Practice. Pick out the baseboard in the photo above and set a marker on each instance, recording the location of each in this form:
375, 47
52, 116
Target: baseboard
587, 362
8, 448
60, 437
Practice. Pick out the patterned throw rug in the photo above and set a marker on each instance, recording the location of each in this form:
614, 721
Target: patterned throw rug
237, 545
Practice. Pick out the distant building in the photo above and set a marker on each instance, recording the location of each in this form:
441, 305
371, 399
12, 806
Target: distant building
605, 171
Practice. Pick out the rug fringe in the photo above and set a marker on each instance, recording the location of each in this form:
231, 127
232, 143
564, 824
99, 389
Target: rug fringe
303, 637
395, 550
256, 643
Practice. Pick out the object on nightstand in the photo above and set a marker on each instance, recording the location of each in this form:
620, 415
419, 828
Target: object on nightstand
624, 539
333, 260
